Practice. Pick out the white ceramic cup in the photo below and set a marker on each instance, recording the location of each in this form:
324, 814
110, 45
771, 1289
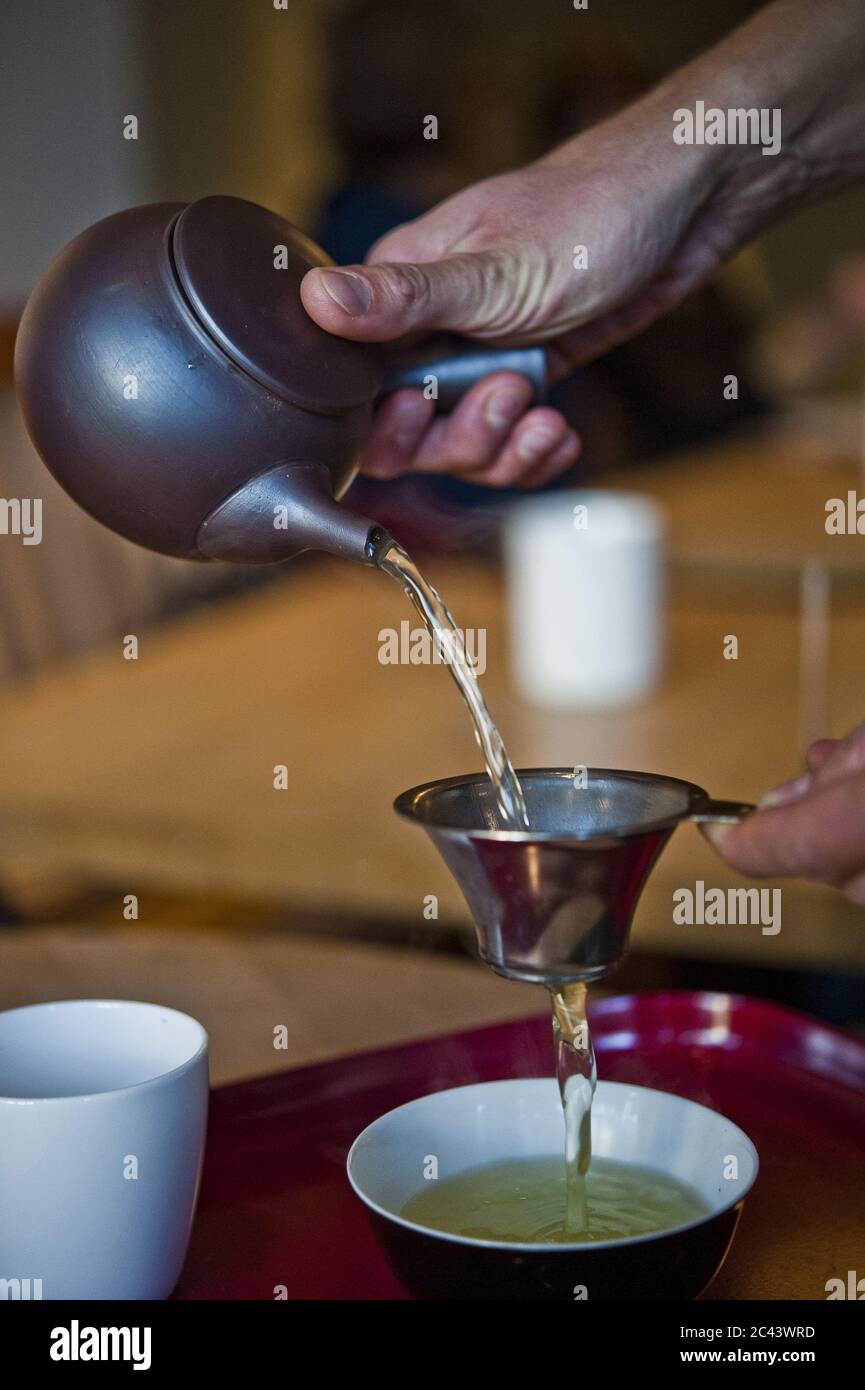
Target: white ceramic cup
586, 597
103, 1107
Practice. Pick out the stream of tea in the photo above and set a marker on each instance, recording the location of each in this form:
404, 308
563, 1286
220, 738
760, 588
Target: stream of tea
575, 1058
448, 641
577, 1076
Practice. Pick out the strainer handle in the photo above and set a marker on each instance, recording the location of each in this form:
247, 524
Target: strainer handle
719, 811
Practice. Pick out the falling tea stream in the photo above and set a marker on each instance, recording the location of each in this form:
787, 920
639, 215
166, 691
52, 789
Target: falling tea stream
448, 640
577, 1076
575, 1058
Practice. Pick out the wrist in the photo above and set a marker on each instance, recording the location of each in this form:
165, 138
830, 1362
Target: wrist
793, 79
636, 145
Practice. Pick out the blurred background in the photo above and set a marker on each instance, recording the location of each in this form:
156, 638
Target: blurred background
145, 851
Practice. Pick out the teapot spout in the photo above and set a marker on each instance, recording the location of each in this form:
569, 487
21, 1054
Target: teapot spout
284, 511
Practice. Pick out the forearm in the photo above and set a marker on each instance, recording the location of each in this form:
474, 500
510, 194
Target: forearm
804, 66
804, 61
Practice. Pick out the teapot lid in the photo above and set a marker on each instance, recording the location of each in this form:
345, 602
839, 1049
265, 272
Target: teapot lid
240, 268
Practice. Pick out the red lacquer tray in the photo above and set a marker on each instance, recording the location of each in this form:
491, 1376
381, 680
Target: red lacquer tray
276, 1210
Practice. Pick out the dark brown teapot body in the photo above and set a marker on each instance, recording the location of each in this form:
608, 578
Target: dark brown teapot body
175, 386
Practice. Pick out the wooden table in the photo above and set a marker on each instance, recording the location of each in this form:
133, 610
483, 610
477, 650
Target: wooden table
157, 774
750, 513
331, 997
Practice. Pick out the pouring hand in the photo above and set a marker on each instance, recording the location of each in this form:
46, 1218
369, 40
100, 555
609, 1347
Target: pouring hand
811, 827
502, 261
497, 263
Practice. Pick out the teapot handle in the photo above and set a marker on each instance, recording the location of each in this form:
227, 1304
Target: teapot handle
458, 363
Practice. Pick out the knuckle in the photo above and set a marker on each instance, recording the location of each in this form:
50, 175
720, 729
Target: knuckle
407, 287
855, 889
462, 459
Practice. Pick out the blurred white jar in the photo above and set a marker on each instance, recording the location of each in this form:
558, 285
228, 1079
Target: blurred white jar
585, 574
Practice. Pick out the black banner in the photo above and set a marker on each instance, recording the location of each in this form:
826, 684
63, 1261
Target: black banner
81, 1339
